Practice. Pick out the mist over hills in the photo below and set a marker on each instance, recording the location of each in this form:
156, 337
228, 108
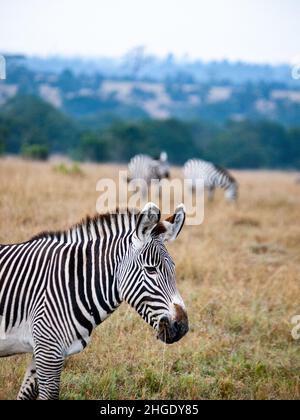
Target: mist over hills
136, 64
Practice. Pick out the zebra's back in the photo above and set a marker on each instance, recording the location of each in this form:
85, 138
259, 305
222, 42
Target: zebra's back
214, 176
145, 168
140, 167
196, 168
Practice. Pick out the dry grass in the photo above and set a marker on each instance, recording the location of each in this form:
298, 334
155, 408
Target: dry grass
238, 274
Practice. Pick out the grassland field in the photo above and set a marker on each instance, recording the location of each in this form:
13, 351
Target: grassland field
238, 273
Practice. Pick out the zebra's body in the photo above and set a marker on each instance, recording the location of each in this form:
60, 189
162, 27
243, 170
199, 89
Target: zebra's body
143, 167
56, 288
213, 176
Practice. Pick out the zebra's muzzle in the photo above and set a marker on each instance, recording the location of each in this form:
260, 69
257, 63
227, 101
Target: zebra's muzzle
171, 331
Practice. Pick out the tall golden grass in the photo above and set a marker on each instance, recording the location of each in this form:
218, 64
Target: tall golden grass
238, 273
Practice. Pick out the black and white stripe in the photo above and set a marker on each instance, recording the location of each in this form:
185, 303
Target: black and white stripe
213, 176
57, 287
143, 167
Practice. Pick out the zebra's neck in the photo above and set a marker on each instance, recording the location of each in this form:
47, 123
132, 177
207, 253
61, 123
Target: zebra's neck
95, 248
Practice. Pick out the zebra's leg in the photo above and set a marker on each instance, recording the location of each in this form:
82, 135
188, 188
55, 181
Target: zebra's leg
49, 365
211, 193
29, 389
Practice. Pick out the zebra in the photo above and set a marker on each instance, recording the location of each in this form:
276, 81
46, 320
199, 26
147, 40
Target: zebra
145, 168
58, 286
214, 177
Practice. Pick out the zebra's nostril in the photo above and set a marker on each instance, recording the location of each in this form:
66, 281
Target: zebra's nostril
164, 320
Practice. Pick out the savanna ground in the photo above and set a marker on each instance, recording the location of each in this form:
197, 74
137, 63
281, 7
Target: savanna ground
238, 274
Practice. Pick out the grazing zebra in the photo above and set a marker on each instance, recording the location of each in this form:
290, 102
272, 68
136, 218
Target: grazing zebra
214, 177
145, 168
57, 287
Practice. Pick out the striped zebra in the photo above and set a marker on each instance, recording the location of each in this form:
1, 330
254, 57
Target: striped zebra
145, 168
214, 177
57, 287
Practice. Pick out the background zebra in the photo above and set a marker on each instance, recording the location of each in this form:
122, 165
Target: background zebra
57, 287
214, 177
145, 168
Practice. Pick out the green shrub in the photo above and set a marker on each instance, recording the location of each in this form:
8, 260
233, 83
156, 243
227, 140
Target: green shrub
35, 152
3, 136
1, 147
64, 169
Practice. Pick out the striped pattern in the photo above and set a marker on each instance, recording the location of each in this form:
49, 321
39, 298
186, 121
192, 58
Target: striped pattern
57, 287
145, 168
214, 177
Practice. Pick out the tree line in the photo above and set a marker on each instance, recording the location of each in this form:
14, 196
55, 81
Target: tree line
35, 129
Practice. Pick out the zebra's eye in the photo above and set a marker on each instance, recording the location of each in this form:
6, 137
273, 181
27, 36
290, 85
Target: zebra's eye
151, 271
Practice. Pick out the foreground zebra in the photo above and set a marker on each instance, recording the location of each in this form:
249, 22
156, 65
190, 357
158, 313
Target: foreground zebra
57, 287
145, 168
214, 177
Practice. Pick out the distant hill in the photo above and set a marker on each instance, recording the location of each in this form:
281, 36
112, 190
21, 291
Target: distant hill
138, 65
138, 86
30, 121
236, 114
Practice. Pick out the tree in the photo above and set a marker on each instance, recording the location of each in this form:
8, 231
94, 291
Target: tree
93, 147
293, 150
3, 136
35, 152
30, 120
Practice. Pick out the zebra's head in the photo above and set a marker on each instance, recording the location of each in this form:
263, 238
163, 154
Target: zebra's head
147, 274
163, 167
232, 192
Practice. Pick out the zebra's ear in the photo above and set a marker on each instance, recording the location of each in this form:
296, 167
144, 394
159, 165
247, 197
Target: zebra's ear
148, 219
174, 224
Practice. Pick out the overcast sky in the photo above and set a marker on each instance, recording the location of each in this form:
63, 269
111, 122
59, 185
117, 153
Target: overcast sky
251, 30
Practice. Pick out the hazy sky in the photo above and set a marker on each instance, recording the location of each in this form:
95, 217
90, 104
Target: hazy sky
252, 30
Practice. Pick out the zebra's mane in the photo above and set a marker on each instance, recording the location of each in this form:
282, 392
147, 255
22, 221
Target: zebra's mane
224, 171
90, 225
